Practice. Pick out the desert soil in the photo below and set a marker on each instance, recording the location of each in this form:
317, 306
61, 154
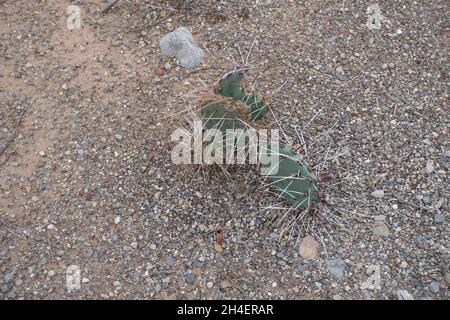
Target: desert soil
86, 177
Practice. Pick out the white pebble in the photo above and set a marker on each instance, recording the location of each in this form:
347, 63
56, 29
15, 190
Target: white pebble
378, 194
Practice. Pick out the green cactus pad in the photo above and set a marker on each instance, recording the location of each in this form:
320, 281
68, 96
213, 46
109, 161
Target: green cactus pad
293, 181
221, 116
230, 86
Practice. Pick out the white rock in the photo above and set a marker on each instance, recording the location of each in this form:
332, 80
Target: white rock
378, 194
117, 220
429, 167
404, 295
181, 44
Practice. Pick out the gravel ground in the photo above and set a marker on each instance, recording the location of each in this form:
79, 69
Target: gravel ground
86, 177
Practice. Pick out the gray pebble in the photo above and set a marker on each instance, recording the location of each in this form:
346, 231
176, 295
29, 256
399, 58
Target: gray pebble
11, 295
447, 277
426, 200
439, 218
170, 262
190, 278
197, 263
381, 229
8, 277
404, 295
181, 44
378, 194
109, 87
337, 268
435, 287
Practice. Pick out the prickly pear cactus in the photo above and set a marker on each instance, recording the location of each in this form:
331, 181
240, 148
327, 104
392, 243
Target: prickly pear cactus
230, 86
235, 106
221, 115
294, 181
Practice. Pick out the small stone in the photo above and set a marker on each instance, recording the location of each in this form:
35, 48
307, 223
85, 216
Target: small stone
380, 217
116, 283
426, 200
439, 218
435, 287
181, 44
134, 245
117, 220
109, 87
9, 276
64, 86
378, 194
308, 247
337, 268
42, 153
447, 277
190, 278
404, 295
225, 284
218, 247
51, 273
85, 280
160, 71
170, 262
209, 284
198, 263
118, 136
429, 167
439, 203
28, 65
167, 66
381, 229
152, 246
340, 71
